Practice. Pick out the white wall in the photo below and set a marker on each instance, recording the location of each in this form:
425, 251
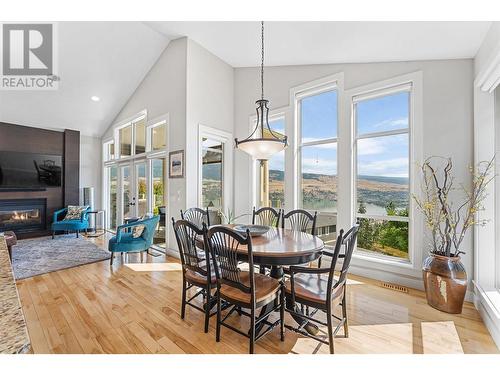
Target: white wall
163, 91
447, 117
210, 101
194, 87
90, 170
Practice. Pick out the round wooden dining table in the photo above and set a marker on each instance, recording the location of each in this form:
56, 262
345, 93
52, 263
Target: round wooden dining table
280, 247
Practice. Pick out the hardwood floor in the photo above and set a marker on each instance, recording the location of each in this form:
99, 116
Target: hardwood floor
135, 308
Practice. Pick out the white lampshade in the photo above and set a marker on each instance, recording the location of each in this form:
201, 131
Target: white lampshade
262, 148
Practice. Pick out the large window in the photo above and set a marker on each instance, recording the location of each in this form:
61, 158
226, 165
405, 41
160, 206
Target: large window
212, 172
382, 123
318, 132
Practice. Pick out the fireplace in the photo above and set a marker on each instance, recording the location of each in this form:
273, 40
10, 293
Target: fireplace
22, 215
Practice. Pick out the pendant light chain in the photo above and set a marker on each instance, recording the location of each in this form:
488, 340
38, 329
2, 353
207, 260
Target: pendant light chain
258, 144
262, 62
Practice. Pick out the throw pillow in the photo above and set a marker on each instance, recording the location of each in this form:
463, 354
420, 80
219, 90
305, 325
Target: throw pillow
137, 231
74, 212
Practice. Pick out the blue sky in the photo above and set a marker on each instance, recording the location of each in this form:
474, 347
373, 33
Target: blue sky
381, 156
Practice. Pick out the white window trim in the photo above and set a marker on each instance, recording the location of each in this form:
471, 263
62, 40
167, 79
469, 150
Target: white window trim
413, 266
226, 138
150, 125
275, 114
105, 147
331, 82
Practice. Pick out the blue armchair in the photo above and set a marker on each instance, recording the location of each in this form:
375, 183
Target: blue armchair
77, 225
124, 241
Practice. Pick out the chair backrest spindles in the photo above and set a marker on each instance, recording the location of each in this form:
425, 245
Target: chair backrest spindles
197, 216
300, 220
191, 257
266, 216
224, 244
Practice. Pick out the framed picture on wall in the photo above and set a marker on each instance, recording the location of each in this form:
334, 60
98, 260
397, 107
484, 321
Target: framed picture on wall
176, 164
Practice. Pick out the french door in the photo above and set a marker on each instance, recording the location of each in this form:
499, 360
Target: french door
132, 190
136, 188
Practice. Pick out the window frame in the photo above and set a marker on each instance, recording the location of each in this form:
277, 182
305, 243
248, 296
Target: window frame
381, 134
325, 141
132, 145
106, 156
326, 84
134, 135
149, 134
416, 228
227, 160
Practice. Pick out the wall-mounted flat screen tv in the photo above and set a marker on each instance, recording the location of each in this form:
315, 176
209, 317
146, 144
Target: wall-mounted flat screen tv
21, 170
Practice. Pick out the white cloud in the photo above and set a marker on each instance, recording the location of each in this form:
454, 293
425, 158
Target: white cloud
371, 146
319, 166
392, 123
397, 167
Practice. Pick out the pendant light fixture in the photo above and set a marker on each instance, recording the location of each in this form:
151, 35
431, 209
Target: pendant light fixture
263, 142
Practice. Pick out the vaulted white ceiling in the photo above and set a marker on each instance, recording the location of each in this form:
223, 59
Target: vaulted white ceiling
110, 59
295, 43
105, 59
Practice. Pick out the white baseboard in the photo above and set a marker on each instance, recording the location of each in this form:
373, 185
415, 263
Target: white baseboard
489, 312
172, 253
413, 281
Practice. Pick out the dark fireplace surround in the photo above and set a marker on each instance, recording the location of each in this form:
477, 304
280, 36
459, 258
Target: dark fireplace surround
35, 140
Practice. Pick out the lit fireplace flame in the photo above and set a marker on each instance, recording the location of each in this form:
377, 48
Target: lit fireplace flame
22, 216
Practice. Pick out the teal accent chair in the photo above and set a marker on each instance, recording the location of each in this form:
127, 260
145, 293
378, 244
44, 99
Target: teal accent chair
124, 241
77, 225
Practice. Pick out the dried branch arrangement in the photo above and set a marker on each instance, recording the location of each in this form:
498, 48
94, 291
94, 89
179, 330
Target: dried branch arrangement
448, 222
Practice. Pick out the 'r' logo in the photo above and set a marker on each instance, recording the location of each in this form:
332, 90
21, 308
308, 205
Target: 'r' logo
27, 49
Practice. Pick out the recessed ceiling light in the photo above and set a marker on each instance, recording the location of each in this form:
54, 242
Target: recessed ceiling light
95, 98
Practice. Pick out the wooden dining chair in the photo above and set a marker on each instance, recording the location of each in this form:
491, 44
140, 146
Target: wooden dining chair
266, 216
321, 290
300, 220
197, 216
196, 270
242, 289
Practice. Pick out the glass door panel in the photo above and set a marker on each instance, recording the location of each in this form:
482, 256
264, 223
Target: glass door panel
126, 193
141, 184
112, 197
159, 199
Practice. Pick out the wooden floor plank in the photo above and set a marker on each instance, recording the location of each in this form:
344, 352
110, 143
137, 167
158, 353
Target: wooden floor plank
135, 308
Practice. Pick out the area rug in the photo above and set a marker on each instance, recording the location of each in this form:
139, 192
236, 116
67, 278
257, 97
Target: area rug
37, 256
